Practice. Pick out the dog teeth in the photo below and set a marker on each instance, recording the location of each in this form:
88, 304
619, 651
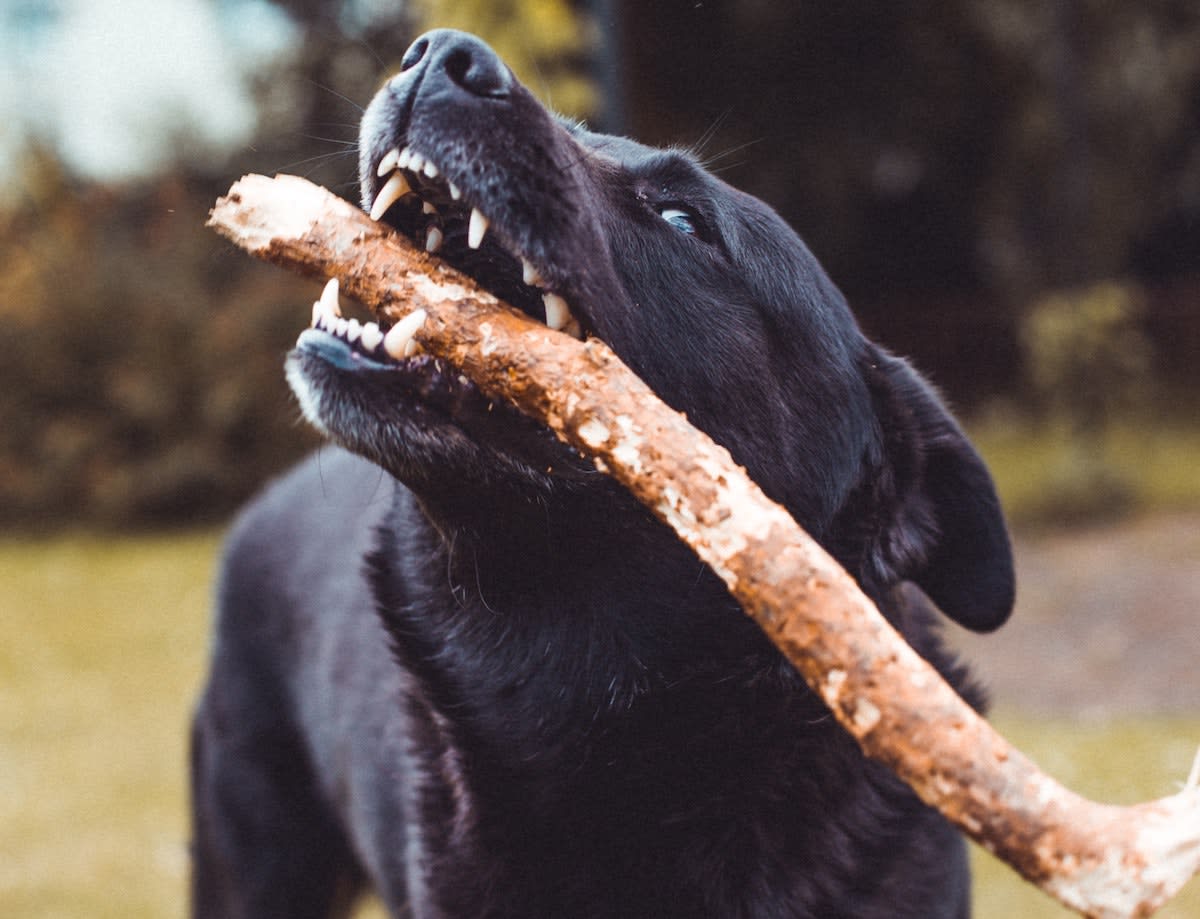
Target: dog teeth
393, 190
327, 315
398, 342
328, 307
388, 163
430, 170
455, 192
433, 239
558, 314
477, 228
371, 337
529, 274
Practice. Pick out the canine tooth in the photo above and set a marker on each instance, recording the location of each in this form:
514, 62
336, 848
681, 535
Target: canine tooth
404, 158
393, 190
558, 314
479, 226
316, 314
430, 170
371, 337
529, 274
399, 336
455, 191
330, 308
433, 239
428, 208
388, 163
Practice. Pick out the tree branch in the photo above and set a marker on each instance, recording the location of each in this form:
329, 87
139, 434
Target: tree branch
1103, 861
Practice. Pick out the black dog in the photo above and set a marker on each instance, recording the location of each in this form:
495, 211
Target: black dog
464, 667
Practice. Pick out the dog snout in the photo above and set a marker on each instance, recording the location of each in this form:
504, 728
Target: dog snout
445, 60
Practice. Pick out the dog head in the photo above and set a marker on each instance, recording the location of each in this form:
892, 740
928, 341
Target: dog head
702, 290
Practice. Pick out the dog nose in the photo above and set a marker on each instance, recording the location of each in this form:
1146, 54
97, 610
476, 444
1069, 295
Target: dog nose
466, 61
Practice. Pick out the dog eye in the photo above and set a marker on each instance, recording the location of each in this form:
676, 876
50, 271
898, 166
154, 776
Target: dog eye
679, 219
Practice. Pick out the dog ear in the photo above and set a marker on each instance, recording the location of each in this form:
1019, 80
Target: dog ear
947, 533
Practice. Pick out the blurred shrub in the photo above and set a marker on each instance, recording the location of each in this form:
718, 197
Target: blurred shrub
142, 359
1089, 362
1087, 355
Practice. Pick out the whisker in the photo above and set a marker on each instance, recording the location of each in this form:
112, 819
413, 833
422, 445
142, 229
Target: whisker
711, 162
329, 140
335, 93
697, 149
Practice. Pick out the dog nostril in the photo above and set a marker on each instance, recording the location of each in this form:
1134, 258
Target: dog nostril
457, 62
477, 70
413, 55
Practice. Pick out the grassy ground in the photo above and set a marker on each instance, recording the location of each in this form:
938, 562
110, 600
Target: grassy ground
103, 648
104, 644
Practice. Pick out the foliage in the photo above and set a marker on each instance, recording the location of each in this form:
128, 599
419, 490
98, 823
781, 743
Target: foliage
1089, 362
144, 356
143, 364
1087, 355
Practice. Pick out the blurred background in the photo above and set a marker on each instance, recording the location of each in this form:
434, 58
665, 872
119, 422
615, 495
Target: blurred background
1007, 190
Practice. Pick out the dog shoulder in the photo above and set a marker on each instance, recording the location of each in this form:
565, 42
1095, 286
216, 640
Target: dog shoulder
300, 544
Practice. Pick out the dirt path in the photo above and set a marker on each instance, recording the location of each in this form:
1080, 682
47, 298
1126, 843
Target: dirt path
1107, 622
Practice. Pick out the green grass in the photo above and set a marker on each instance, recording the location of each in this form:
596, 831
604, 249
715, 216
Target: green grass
103, 650
104, 646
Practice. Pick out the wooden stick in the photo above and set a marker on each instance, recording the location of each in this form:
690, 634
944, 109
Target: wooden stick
1103, 861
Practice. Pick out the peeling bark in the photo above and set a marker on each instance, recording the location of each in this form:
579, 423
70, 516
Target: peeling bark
1103, 861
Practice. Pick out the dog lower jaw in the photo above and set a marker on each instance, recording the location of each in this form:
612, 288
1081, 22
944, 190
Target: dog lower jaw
428, 425
308, 397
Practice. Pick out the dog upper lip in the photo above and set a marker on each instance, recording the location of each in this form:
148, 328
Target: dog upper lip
409, 172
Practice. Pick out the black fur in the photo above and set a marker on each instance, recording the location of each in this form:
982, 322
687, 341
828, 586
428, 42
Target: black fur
474, 673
